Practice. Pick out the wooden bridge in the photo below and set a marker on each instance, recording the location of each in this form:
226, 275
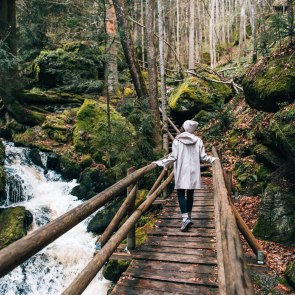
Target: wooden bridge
208, 259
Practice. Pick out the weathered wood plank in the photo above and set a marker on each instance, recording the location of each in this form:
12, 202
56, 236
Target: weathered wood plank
207, 215
200, 232
176, 223
190, 245
195, 209
175, 288
200, 259
174, 266
171, 250
122, 290
172, 276
176, 239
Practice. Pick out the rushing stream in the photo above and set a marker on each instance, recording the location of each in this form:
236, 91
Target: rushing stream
46, 196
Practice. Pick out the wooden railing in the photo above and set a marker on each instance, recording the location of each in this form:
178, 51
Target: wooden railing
233, 277
19, 251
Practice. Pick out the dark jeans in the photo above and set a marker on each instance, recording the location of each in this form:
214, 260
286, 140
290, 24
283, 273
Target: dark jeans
185, 204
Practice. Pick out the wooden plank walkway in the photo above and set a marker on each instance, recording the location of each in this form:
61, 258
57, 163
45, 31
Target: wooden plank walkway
175, 262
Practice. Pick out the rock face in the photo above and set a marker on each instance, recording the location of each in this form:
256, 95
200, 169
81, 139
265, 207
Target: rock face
196, 94
271, 83
14, 223
276, 219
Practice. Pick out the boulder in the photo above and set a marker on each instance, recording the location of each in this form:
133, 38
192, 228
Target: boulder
196, 94
92, 136
276, 221
114, 268
74, 67
14, 224
92, 181
103, 217
270, 84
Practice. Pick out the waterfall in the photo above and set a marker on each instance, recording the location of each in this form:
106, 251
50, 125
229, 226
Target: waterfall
46, 196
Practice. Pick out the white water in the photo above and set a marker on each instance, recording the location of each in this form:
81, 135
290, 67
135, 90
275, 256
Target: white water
47, 196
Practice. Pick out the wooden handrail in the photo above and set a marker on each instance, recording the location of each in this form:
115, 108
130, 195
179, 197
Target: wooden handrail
19, 251
86, 276
233, 276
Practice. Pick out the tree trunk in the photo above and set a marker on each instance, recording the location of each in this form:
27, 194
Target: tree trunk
8, 24
191, 44
128, 49
111, 71
152, 71
290, 21
163, 81
254, 32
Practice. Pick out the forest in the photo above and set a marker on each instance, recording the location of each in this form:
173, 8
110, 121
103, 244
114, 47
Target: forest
86, 92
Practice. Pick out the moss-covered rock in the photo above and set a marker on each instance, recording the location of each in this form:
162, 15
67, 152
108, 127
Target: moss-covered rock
276, 221
270, 83
75, 66
114, 268
92, 136
251, 177
267, 156
290, 273
92, 181
102, 218
13, 224
196, 94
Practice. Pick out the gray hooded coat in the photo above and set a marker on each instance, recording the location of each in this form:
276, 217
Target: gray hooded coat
187, 153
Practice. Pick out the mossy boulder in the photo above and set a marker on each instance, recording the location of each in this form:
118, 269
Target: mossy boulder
103, 217
270, 83
267, 156
114, 268
282, 131
14, 222
92, 136
251, 177
92, 181
276, 221
196, 94
290, 273
75, 67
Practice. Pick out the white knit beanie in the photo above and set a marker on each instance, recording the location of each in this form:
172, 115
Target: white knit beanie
190, 126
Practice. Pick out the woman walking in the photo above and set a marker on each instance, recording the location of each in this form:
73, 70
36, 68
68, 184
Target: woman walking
187, 153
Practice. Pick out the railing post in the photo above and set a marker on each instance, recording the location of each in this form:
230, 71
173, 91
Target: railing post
228, 180
131, 235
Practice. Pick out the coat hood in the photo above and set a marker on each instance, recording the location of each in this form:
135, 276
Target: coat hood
187, 138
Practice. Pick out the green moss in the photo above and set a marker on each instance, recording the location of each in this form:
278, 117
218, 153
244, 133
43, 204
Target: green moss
91, 134
290, 273
251, 177
270, 83
267, 156
196, 94
114, 268
85, 161
282, 129
13, 224
141, 197
276, 221
141, 232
